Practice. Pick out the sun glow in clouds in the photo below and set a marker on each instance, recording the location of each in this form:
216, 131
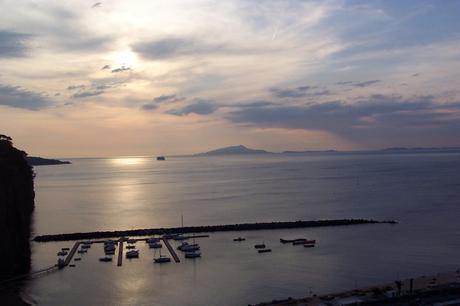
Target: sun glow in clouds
125, 58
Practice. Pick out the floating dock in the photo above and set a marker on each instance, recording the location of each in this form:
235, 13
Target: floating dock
171, 250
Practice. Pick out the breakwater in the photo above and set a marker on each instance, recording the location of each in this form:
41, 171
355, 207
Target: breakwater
207, 229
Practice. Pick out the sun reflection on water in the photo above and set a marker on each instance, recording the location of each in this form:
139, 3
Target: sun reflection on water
127, 161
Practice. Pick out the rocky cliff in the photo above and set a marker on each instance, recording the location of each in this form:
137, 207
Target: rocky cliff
16, 207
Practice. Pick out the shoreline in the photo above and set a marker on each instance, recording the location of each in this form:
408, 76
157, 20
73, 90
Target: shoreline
207, 229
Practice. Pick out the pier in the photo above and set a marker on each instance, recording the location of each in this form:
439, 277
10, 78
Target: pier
171, 250
120, 253
71, 253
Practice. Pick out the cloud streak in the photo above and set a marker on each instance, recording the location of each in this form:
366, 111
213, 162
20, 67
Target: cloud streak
13, 44
18, 97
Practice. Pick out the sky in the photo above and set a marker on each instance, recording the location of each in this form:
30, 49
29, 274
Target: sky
115, 78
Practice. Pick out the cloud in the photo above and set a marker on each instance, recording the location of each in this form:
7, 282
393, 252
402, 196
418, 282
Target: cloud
75, 87
16, 96
13, 44
86, 94
96, 5
390, 117
121, 69
164, 98
365, 83
149, 107
174, 47
297, 92
201, 107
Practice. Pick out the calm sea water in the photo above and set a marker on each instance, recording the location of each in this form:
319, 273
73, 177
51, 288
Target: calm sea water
421, 191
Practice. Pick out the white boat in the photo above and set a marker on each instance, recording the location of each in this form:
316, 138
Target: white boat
132, 254
161, 259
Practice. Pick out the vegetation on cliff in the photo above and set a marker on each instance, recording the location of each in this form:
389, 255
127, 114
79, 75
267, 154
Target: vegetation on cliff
16, 207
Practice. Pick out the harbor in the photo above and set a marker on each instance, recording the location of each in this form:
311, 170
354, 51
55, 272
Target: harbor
227, 260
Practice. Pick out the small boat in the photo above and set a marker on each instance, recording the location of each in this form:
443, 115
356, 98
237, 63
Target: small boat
132, 254
109, 247
86, 242
192, 254
155, 245
81, 251
65, 249
61, 263
180, 238
260, 246
110, 252
131, 241
152, 240
186, 247
72, 265
130, 246
62, 253
77, 259
239, 239
169, 236
86, 246
105, 259
162, 259
302, 241
291, 240
161, 158
264, 250
309, 245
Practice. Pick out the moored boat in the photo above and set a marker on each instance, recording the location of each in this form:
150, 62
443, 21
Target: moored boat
132, 254
260, 246
264, 250
192, 254
105, 259
239, 239
62, 253
161, 259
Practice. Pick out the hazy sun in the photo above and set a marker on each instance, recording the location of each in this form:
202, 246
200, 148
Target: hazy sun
124, 58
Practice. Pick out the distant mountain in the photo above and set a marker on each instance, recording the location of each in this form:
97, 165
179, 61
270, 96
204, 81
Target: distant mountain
233, 150
39, 161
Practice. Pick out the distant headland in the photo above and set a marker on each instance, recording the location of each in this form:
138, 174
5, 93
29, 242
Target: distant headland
40, 161
243, 150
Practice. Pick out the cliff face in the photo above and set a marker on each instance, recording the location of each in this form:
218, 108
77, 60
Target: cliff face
16, 207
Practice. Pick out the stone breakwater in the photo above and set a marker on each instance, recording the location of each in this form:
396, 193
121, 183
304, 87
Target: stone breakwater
206, 229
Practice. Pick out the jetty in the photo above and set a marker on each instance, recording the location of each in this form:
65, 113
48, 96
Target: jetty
120, 253
207, 229
171, 250
71, 253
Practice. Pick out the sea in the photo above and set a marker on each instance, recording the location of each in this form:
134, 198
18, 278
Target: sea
421, 191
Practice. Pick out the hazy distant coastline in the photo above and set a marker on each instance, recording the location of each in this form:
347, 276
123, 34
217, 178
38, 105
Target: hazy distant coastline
243, 150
